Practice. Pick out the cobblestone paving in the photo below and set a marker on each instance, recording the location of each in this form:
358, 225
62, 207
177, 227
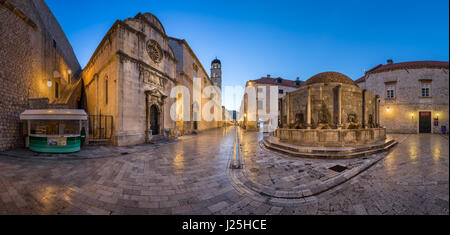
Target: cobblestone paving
191, 176
281, 172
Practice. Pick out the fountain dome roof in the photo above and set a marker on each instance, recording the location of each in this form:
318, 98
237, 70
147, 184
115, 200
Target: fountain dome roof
327, 77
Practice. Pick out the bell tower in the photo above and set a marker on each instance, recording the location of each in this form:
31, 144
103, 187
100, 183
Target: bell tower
216, 72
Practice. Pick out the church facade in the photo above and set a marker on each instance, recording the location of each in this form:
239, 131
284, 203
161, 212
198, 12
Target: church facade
131, 78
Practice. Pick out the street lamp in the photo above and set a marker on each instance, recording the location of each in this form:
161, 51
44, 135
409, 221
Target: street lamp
69, 72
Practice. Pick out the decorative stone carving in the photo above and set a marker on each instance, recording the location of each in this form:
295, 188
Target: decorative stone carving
371, 122
299, 121
324, 119
154, 51
352, 121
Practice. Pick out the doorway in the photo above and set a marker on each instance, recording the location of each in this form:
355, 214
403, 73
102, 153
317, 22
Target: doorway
424, 122
154, 120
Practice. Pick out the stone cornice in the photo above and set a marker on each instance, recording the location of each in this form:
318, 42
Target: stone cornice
406, 68
142, 35
113, 29
124, 56
6, 4
105, 38
141, 17
182, 41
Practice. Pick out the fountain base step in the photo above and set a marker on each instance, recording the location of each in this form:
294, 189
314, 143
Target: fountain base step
274, 144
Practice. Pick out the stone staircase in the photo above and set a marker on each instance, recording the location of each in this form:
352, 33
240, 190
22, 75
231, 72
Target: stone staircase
99, 142
272, 143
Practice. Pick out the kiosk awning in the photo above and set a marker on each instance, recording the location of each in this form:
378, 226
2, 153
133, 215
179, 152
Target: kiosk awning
54, 114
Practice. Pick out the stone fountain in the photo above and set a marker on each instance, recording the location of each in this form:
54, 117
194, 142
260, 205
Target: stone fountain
329, 116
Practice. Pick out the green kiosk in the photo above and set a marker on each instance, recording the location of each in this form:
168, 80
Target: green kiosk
55, 130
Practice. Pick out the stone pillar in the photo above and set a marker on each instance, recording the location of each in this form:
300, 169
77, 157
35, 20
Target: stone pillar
148, 132
339, 124
308, 110
377, 111
364, 125
288, 110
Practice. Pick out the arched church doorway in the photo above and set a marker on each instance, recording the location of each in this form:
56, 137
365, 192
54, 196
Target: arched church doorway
154, 120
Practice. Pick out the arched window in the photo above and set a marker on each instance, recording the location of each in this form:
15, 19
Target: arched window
56, 90
106, 90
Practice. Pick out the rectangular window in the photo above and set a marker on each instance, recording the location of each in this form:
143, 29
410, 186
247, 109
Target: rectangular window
260, 104
260, 89
280, 91
195, 75
390, 91
426, 89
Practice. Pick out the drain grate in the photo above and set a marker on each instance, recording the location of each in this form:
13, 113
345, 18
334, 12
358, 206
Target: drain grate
124, 153
338, 168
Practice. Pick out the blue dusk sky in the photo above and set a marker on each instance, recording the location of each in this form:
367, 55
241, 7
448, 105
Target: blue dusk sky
283, 38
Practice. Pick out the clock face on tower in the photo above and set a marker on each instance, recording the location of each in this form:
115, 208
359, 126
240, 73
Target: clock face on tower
154, 51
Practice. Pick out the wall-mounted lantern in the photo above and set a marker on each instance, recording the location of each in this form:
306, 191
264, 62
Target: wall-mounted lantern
412, 115
49, 83
388, 109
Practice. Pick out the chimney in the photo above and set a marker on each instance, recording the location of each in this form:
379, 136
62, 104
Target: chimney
298, 79
268, 75
390, 61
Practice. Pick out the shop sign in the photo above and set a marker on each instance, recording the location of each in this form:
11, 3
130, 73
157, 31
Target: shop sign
56, 141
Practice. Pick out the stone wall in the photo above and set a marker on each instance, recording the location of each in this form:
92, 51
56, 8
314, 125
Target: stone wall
332, 138
188, 63
135, 81
403, 114
324, 99
33, 50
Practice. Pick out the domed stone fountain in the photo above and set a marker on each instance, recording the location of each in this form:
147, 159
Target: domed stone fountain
329, 116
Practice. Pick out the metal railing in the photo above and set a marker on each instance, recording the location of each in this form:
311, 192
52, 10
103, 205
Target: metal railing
100, 127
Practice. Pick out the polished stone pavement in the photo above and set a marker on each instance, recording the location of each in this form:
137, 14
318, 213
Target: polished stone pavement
192, 176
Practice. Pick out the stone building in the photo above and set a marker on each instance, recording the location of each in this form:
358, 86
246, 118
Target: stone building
216, 72
189, 71
413, 95
38, 68
131, 79
260, 107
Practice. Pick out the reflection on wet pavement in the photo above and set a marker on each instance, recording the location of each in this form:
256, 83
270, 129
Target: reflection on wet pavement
191, 176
